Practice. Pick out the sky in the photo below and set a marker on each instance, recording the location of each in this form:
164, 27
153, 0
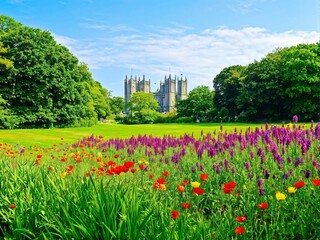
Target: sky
195, 39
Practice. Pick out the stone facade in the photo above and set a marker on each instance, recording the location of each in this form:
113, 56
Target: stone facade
171, 90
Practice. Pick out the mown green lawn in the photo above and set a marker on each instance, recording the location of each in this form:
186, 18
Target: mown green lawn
48, 137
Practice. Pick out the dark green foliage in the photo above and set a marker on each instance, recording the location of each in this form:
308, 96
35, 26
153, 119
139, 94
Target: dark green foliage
47, 85
198, 105
141, 109
117, 105
282, 84
227, 86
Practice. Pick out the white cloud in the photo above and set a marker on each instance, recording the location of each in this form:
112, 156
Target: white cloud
198, 55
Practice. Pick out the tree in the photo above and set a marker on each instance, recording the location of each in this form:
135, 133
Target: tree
4, 63
142, 108
261, 97
227, 85
199, 103
301, 81
117, 105
47, 84
142, 101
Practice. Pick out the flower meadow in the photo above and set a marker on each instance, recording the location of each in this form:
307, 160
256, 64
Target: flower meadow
262, 183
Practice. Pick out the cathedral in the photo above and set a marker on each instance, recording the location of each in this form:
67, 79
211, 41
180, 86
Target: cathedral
171, 90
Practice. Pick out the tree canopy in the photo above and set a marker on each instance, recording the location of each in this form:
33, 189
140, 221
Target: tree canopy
199, 104
284, 83
45, 83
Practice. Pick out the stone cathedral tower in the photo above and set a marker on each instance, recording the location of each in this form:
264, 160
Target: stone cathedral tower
182, 93
166, 96
132, 85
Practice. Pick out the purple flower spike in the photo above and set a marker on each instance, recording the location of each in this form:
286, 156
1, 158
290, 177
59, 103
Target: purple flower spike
317, 131
307, 173
247, 165
266, 174
201, 168
316, 165
260, 183
297, 162
217, 168
295, 118
261, 191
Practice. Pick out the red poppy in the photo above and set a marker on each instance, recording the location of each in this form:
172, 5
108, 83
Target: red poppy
299, 184
141, 167
161, 181
116, 156
69, 168
239, 230
204, 177
133, 170
12, 206
129, 164
50, 169
37, 161
185, 182
87, 174
227, 190
151, 176
228, 187
241, 218
198, 191
186, 205
232, 184
180, 188
166, 174
92, 169
174, 214
263, 205
111, 163
39, 156
316, 182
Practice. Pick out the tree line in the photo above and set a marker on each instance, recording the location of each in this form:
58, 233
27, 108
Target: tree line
284, 83
42, 84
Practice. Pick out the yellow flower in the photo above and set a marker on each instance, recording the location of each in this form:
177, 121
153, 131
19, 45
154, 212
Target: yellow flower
142, 160
244, 187
195, 184
63, 175
280, 196
292, 190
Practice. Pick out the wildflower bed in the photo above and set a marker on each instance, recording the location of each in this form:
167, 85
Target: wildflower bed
262, 183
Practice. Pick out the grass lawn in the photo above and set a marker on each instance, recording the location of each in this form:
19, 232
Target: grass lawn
48, 137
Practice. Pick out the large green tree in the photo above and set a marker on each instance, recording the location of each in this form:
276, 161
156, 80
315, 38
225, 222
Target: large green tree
301, 80
117, 105
141, 108
199, 104
47, 84
261, 97
227, 85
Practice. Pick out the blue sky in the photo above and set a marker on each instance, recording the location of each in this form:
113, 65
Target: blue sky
195, 38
